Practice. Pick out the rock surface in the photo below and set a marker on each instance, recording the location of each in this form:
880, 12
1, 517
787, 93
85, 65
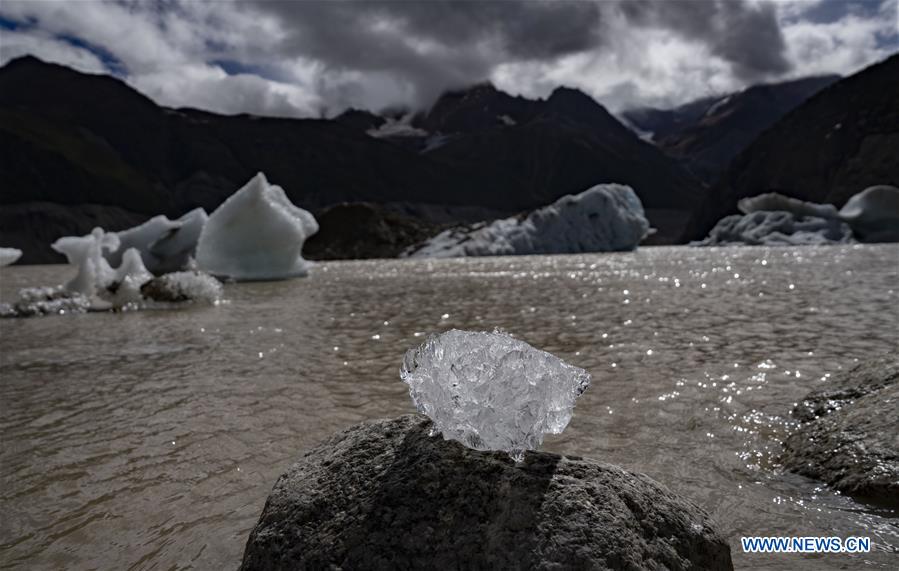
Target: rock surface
385, 495
360, 230
850, 433
177, 287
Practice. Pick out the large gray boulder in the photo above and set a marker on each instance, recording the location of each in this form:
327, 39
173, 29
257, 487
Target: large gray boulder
849, 436
386, 495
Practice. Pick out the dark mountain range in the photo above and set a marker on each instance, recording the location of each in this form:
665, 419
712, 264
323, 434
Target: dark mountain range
74, 139
838, 142
707, 134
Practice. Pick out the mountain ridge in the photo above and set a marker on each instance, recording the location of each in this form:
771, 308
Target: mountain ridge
73, 139
838, 142
708, 133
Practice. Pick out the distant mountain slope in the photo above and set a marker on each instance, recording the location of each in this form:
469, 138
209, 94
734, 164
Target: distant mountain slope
840, 141
538, 148
69, 137
76, 139
707, 134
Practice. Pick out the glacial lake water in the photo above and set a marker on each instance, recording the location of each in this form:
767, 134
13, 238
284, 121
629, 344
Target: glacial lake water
150, 440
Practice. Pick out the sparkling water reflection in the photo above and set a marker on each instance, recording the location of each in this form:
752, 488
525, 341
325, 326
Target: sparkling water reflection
151, 439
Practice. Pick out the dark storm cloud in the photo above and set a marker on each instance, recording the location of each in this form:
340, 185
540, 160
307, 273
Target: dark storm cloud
747, 36
439, 44
436, 44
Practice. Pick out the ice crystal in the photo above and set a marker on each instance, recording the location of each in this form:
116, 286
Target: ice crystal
491, 391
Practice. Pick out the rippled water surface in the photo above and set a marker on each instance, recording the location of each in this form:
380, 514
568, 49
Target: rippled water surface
150, 440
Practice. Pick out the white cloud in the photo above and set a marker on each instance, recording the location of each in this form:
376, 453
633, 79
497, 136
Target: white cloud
16, 43
644, 67
209, 87
843, 46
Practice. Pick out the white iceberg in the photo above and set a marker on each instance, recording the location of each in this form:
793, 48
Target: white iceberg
607, 217
9, 256
165, 245
256, 234
873, 214
491, 391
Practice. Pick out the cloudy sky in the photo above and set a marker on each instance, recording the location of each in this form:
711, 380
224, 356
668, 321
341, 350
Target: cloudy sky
309, 58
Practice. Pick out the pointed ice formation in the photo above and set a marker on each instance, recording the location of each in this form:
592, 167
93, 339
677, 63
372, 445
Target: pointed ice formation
9, 256
257, 234
86, 252
491, 391
125, 288
164, 245
605, 218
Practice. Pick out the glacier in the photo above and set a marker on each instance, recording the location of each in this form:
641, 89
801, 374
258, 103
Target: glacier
256, 234
9, 256
165, 245
491, 391
606, 217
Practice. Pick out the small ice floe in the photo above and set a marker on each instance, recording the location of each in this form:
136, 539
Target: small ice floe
605, 218
491, 391
256, 234
9, 256
98, 286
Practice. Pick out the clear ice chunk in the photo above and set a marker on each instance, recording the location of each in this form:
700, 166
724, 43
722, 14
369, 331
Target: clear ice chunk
491, 391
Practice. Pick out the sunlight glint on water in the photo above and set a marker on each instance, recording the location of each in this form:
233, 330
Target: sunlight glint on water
153, 438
